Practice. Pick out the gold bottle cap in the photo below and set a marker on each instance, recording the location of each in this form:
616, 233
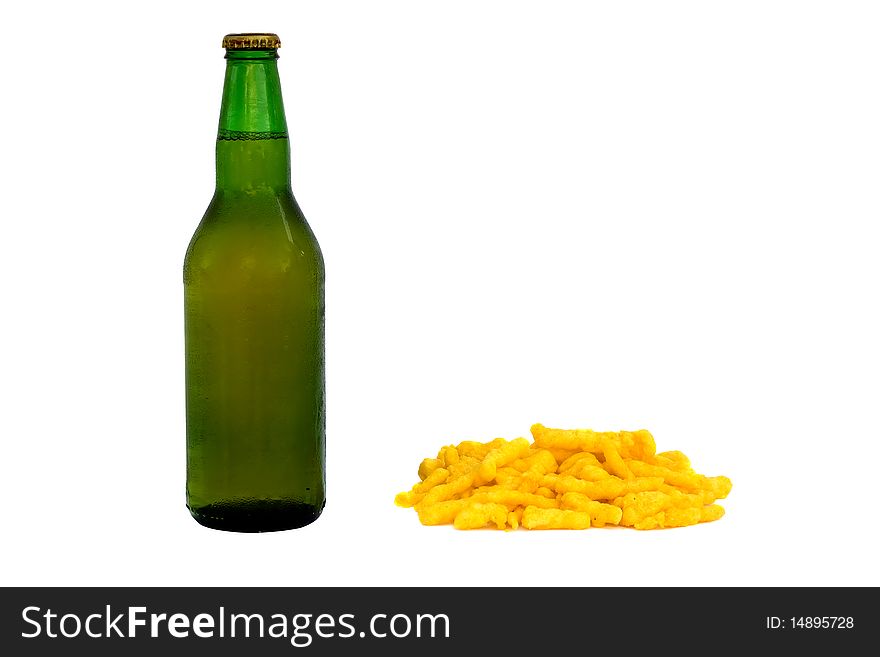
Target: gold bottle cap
251, 41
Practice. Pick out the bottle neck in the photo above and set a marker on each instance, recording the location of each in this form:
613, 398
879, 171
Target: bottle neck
253, 153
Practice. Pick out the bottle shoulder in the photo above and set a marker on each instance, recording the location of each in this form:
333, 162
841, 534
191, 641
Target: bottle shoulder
262, 233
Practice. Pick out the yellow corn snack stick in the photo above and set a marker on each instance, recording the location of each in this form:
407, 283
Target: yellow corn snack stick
561, 454
407, 499
681, 499
565, 479
606, 489
714, 488
570, 484
704, 496
502, 455
528, 484
577, 460
639, 506
449, 490
509, 477
519, 465
418, 491
472, 448
534, 466
428, 466
549, 481
629, 444
676, 478
673, 460
514, 498
514, 518
535, 518
717, 486
711, 512
614, 463
439, 476
590, 472
541, 462
639, 484
538, 466
636, 444
478, 450
448, 455
477, 515
659, 509
609, 488
670, 518
681, 517
465, 465
441, 513
576, 440
600, 514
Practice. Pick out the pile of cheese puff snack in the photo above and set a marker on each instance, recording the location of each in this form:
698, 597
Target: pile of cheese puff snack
565, 479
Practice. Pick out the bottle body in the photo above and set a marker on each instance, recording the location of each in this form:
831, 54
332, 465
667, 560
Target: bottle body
254, 331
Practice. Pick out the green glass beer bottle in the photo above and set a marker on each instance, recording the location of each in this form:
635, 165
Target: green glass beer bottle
254, 320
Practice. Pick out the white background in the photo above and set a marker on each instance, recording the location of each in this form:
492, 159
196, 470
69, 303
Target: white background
653, 215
